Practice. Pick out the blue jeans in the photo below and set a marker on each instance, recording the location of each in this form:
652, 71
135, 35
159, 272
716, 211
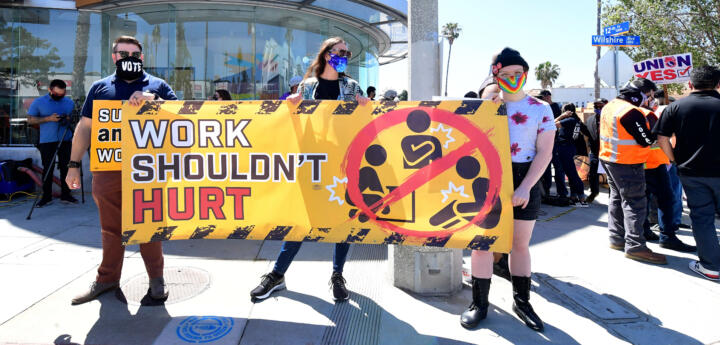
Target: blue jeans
657, 182
677, 202
564, 156
290, 249
703, 198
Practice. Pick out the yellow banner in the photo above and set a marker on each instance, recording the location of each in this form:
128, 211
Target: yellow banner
412, 173
105, 148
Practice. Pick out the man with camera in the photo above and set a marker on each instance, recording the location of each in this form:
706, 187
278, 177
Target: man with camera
52, 113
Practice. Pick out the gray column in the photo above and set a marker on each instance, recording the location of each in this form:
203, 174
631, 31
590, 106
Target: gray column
424, 67
425, 270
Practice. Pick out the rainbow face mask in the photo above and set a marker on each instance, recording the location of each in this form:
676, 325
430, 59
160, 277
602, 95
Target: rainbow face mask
512, 84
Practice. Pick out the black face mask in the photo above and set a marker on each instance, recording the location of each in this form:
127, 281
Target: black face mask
129, 68
56, 96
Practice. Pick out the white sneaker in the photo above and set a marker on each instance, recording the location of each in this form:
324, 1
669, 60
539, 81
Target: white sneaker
698, 268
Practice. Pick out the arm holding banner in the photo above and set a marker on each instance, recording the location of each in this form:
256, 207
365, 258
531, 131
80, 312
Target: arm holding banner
544, 144
80, 144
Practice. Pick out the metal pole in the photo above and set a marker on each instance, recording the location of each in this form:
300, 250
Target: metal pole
49, 170
615, 66
666, 99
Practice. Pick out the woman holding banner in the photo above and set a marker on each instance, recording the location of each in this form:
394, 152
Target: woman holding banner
532, 132
325, 80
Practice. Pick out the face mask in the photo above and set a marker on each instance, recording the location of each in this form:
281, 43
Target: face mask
653, 104
338, 63
512, 84
129, 68
57, 97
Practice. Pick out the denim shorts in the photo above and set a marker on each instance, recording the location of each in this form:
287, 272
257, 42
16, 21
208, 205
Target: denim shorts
530, 212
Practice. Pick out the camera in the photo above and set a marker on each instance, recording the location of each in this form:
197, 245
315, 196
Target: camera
64, 121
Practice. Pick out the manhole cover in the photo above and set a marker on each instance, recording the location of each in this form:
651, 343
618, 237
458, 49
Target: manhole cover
182, 283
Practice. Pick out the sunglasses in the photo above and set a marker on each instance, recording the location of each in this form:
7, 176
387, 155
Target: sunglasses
124, 54
342, 53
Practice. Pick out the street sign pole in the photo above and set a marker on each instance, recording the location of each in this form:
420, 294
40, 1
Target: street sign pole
615, 66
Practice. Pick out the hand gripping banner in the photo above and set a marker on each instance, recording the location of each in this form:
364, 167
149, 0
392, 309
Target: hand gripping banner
411, 173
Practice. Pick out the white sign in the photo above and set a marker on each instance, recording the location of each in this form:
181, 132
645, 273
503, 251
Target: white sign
665, 69
606, 68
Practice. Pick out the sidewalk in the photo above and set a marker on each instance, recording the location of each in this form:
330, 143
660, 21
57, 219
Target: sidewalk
585, 292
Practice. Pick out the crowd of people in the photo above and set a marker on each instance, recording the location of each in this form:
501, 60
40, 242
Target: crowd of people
647, 152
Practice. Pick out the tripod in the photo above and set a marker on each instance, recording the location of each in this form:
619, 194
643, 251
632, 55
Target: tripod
49, 170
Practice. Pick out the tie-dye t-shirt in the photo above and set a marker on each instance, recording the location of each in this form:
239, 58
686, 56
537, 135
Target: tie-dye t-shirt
527, 118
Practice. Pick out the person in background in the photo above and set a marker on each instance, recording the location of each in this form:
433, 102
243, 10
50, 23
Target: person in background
325, 79
695, 123
294, 82
389, 95
570, 128
221, 95
625, 141
129, 82
546, 96
672, 173
371, 93
52, 113
531, 132
592, 123
546, 179
657, 184
471, 94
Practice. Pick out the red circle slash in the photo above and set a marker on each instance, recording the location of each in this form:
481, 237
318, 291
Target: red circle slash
477, 141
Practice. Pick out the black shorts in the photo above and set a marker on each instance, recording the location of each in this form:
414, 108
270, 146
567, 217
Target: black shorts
530, 212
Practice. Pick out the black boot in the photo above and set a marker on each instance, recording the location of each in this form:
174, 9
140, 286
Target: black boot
477, 311
521, 304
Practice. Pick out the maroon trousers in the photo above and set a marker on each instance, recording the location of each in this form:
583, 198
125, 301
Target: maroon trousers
107, 192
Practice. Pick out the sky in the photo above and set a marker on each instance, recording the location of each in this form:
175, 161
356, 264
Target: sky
558, 31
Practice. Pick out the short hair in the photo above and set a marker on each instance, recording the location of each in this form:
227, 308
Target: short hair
705, 77
126, 39
58, 83
371, 89
545, 93
471, 94
569, 107
224, 95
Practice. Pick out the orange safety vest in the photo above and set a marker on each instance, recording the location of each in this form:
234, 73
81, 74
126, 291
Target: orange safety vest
656, 157
616, 144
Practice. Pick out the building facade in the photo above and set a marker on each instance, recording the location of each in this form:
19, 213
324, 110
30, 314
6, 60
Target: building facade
250, 48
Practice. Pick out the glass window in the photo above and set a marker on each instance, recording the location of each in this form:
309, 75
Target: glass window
251, 51
38, 45
400, 5
351, 8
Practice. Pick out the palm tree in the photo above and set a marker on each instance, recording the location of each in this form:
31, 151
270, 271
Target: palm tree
451, 31
547, 73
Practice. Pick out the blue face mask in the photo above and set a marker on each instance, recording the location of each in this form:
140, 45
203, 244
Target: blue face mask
338, 63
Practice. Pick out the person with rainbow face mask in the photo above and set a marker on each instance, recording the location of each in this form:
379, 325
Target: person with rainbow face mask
532, 132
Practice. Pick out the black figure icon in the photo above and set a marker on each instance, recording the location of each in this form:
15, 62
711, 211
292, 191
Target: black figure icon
419, 150
369, 182
468, 168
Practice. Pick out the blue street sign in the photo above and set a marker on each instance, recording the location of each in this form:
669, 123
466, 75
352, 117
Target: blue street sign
616, 29
619, 41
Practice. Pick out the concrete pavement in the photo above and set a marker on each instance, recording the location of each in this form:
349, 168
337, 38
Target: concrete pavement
584, 291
